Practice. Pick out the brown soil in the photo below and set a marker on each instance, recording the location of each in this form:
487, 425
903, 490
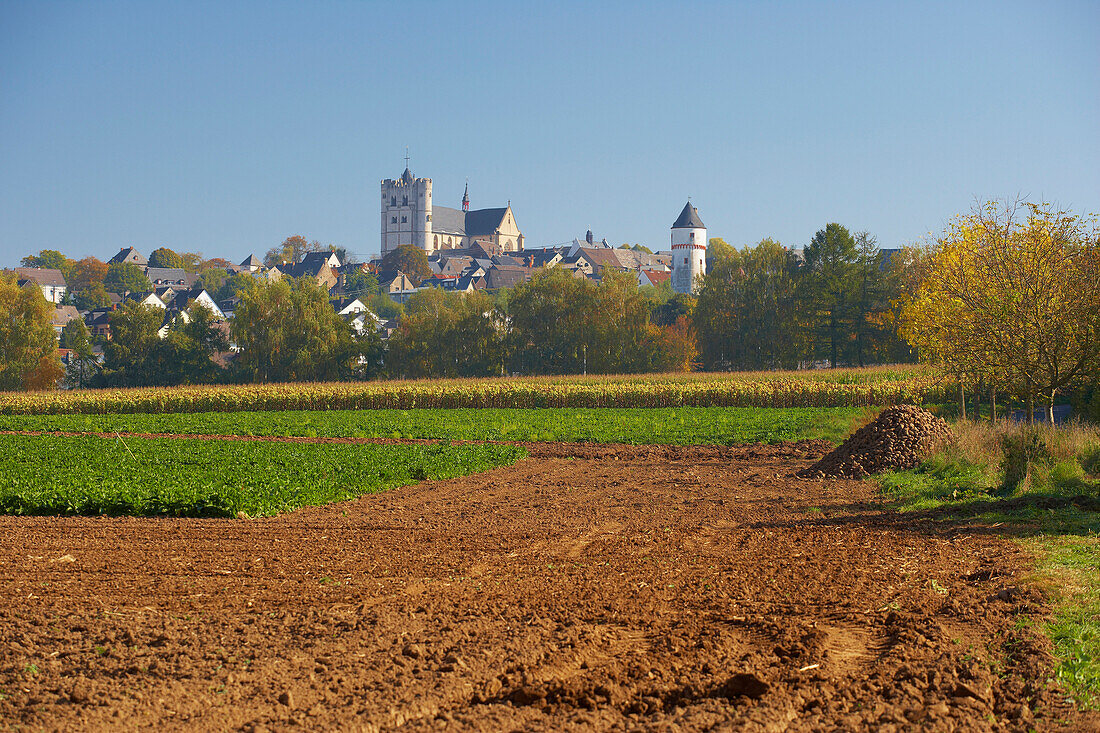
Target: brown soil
587, 587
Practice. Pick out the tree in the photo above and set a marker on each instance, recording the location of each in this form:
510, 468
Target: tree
717, 248
408, 259
1012, 299
830, 280
126, 277
88, 273
28, 343
233, 286
82, 368
448, 335
164, 257
91, 298
130, 356
185, 355
384, 307
747, 313
289, 331
360, 283
550, 315
192, 261
53, 260
291, 250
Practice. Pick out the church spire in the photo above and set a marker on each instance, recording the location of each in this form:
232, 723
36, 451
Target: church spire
466, 197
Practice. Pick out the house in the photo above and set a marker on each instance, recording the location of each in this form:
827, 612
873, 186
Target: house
346, 306
129, 254
506, 276
319, 268
197, 294
166, 276
251, 263
396, 284
98, 322
653, 277
61, 316
228, 307
315, 259
51, 281
149, 298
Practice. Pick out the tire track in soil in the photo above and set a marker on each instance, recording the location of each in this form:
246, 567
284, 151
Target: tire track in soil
588, 587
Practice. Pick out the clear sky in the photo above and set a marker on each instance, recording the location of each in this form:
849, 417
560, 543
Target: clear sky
226, 127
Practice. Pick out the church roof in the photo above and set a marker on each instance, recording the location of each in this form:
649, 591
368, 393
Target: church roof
689, 218
466, 223
483, 221
407, 176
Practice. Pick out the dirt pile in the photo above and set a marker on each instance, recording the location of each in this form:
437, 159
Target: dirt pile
899, 438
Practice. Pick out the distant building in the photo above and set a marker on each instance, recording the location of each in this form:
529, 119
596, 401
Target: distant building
51, 281
131, 255
410, 217
689, 249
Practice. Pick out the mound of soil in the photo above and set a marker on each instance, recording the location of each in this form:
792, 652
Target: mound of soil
899, 438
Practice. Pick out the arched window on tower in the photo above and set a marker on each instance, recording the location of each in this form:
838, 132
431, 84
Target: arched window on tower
404, 200
393, 201
692, 237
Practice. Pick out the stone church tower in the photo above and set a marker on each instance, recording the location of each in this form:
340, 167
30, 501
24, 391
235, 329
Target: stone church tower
689, 249
406, 212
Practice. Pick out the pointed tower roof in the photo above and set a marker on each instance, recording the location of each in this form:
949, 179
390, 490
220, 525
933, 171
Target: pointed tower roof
689, 219
407, 176
466, 198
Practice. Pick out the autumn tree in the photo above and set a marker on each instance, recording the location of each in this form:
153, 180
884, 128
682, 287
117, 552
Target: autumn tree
717, 248
28, 342
1012, 298
88, 273
291, 250
164, 257
82, 368
408, 259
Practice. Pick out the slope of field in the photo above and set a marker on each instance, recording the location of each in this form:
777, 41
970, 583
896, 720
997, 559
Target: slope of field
675, 426
586, 587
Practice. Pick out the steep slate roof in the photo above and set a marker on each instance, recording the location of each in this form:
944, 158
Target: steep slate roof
62, 314
166, 275
446, 220
252, 261
42, 276
484, 221
689, 218
129, 254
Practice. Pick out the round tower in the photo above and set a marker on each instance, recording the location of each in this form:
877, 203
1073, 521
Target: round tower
689, 249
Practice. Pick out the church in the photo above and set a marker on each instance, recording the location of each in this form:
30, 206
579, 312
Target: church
410, 217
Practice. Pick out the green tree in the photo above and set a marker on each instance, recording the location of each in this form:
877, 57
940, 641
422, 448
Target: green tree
164, 257
91, 298
830, 281
360, 283
233, 286
383, 306
126, 277
408, 259
185, 355
53, 260
289, 331
130, 356
448, 335
28, 342
746, 316
82, 369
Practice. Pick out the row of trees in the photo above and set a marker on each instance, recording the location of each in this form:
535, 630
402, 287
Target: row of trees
764, 307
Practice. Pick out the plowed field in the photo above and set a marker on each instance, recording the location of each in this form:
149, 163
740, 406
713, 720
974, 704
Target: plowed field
586, 587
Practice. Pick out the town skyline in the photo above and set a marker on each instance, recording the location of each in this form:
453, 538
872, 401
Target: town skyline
225, 130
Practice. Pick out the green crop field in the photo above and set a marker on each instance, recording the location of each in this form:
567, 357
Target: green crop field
675, 426
189, 477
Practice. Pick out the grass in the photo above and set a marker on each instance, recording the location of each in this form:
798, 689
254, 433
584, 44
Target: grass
179, 477
1042, 486
673, 426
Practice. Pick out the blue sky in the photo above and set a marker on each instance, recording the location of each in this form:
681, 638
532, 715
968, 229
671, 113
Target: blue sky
226, 127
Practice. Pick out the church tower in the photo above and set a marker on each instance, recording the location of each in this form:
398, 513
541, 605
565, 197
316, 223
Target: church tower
689, 249
406, 212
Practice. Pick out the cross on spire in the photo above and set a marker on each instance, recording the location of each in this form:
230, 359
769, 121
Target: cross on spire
406, 156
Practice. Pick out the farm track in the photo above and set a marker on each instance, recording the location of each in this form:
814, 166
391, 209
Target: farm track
586, 587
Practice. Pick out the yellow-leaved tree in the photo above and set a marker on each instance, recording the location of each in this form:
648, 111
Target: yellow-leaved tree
28, 343
1011, 299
